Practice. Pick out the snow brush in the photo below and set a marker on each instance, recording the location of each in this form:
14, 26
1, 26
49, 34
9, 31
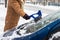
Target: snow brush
36, 16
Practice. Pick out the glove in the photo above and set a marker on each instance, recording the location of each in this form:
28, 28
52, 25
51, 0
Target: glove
26, 17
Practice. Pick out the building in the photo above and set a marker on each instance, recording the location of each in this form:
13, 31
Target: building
2, 1
46, 2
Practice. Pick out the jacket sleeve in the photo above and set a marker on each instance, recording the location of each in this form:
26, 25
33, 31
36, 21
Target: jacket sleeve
23, 1
15, 5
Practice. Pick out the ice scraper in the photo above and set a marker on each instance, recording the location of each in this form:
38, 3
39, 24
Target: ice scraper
36, 16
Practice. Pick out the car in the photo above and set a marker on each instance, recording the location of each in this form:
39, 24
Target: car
44, 29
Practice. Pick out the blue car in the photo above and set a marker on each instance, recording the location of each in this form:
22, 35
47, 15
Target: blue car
44, 29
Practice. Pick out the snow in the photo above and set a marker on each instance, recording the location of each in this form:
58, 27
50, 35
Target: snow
2, 17
34, 8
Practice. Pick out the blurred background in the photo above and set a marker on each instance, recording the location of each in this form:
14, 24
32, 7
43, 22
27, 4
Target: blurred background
40, 2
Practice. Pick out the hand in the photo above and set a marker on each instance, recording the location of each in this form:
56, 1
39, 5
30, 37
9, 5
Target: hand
26, 17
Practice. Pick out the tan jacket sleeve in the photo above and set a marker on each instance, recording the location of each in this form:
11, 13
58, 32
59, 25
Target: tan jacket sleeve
15, 5
23, 1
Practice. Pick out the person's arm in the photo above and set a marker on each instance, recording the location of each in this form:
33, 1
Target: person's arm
23, 1
15, 5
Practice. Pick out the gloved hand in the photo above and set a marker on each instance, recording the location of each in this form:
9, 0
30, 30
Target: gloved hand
38, 17
26, 17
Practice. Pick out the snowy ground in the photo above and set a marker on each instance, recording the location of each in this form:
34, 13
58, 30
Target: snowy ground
2, 17
29, 9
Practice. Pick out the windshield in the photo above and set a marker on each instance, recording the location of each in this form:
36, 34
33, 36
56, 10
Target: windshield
32, 27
